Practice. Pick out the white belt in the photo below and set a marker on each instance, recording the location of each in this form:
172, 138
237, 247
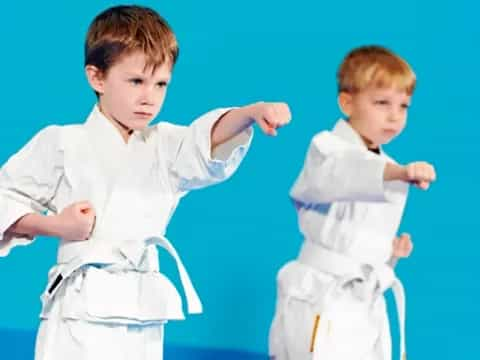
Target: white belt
365, 278
133, 254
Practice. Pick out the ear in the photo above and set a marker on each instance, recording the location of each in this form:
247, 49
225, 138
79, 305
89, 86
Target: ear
345, 103
95, 78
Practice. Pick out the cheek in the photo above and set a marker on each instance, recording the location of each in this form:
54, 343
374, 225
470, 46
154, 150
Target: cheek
163, 94
161, 98
119, 101
374, 115
402, 117
126, 94
378, 119
118, 94
369, 109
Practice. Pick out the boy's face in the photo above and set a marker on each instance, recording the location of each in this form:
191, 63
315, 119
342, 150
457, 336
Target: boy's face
377, 114
130, 93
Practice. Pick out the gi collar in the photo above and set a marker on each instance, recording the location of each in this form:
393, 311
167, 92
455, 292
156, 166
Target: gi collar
344, 130
98, 123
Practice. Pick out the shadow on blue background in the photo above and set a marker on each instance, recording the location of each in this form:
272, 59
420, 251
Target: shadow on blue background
20, 344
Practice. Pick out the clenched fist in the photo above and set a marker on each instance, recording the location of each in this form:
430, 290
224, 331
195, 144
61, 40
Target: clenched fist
269, 115
402, 246
76, 221
421, 174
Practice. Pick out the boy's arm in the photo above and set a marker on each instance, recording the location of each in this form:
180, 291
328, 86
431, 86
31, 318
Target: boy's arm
211, 149
335, 172
75, 222
421, 174
28, 182
269, 117
31, 225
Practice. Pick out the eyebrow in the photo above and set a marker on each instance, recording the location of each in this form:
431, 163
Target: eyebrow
143, 76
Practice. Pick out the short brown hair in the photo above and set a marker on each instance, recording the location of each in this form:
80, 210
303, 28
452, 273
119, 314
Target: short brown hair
374, 66
122, 30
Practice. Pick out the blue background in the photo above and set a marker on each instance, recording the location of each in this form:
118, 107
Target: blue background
234, 237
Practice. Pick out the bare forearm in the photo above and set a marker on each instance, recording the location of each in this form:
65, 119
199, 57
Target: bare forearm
394, 172
35, 224
269, 117
229, 125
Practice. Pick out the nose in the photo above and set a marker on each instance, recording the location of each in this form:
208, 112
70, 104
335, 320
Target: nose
396, 116
146, 96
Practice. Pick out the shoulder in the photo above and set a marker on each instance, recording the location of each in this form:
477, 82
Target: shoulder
166, 132
164, 127
59, 137
327, 142
55, 131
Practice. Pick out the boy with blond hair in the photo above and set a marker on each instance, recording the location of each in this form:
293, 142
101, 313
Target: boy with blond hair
350, 197
108, 188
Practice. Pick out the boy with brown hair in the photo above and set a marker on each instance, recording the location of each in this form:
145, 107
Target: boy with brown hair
350, 197
108, 188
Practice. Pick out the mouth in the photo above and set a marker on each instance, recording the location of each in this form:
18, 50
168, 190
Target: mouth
389, 131
143, 114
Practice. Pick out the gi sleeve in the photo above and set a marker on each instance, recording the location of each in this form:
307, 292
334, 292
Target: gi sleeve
192, 164
335, 172
28, 182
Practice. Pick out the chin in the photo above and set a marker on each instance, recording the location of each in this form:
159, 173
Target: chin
386, 141
139, 125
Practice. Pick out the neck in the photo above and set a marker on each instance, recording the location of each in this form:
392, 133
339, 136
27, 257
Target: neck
124, 131
368, 143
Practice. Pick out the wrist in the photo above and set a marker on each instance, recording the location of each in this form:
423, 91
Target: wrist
245, 116
53, 226
395, 172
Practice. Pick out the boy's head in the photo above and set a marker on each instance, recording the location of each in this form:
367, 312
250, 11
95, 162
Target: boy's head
129, 55
375, 86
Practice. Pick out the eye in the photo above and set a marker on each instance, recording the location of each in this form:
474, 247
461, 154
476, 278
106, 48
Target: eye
382, 102
136, 81
162, 84
405, 106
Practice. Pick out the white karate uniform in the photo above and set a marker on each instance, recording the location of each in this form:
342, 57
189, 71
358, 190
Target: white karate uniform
330, 302
106, 298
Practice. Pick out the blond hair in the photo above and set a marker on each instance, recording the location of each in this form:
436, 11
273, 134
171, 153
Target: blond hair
122, 30
374, 66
